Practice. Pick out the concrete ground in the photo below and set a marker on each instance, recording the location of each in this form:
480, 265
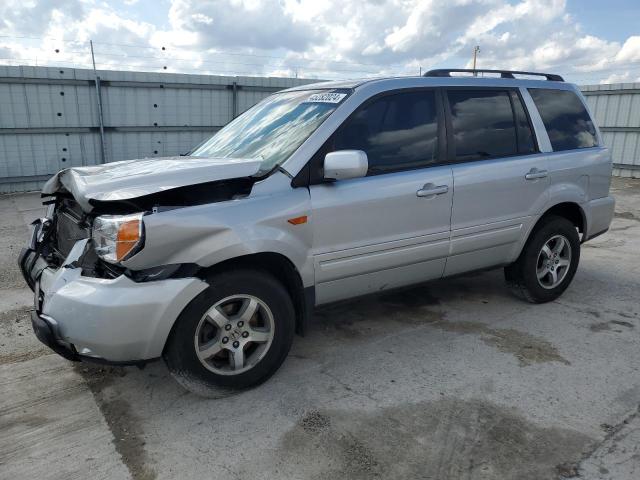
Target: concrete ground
453, 380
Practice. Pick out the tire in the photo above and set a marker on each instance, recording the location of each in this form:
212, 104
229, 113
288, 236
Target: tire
227, 301
523, 276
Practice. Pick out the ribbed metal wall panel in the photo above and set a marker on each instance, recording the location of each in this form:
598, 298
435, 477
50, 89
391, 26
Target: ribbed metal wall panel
49, 116
616, 108
147, 144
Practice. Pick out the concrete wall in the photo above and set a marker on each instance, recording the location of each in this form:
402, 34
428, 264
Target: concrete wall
49, 117
617, 111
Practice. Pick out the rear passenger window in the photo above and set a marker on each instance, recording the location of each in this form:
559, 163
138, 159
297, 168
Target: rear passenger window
397, 132
565, 118
483, 124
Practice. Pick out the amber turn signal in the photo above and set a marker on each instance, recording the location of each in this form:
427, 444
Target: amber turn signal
298, 220
127, 238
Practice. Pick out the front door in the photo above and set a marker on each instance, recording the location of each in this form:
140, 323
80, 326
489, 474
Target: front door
390, 228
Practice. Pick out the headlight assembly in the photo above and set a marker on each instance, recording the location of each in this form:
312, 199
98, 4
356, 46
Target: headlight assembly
117, 237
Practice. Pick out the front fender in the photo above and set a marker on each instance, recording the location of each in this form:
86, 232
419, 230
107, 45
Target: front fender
212, 233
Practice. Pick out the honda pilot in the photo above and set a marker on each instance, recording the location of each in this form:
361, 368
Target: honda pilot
319, 193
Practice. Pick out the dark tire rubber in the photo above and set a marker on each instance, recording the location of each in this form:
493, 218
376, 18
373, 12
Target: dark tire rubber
521, 275
180, 355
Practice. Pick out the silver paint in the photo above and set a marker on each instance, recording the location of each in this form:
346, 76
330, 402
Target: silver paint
129, 179
345, 164
114, 319
362, 234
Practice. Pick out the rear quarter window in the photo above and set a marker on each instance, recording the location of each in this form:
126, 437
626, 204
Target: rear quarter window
566, 119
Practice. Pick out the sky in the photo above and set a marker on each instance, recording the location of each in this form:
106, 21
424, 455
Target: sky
587, 41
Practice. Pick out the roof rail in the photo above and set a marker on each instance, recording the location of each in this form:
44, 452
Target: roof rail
446, 72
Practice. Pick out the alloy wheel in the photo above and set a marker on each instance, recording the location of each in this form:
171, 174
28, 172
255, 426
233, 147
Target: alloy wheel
234, 334
553, 262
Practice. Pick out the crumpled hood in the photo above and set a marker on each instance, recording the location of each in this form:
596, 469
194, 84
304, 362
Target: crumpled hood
129, 179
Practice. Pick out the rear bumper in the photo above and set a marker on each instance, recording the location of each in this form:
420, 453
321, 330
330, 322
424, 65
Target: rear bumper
103, 320
599, 213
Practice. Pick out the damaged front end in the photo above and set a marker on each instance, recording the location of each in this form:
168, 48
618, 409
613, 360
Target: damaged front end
122, 187
52, 239
81, 199
87, 304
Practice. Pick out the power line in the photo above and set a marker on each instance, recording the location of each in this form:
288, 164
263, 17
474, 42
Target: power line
169, 59
139, 46
161, 68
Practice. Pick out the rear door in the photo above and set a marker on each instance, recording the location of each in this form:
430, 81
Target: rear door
390, 228
500, 177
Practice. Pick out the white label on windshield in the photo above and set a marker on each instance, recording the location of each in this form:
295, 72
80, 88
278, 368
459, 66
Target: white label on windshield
326, 97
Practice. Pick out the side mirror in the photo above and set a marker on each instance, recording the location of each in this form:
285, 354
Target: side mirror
345, 164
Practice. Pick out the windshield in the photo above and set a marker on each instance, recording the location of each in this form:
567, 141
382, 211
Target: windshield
274, 128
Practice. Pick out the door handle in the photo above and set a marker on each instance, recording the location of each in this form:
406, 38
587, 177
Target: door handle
430, 190
535, 174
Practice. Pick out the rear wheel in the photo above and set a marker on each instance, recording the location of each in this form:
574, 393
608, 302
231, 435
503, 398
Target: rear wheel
234, 335
547, 263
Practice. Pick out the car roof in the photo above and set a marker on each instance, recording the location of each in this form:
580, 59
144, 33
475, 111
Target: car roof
331, 84
413, 81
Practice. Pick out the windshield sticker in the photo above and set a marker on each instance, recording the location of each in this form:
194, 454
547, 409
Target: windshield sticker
326, 98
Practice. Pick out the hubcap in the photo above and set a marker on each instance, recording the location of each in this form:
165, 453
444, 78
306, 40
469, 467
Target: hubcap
554, 260
234, 334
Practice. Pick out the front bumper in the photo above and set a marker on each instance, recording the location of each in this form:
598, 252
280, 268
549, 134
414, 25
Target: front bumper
105, 320
44, 328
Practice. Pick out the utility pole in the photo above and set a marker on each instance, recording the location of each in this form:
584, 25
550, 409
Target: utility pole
476, 50
103, 153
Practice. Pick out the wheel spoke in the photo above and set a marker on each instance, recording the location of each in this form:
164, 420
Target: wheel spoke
236, 358
249, 308
542, 273
563, 262
259, 336
217, 318
559, 246
547, 251
208, 350
554, 277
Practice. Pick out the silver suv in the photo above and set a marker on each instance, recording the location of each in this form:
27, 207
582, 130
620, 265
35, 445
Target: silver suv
317, 194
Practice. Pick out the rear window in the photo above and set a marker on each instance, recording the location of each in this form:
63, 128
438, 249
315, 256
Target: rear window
565, 118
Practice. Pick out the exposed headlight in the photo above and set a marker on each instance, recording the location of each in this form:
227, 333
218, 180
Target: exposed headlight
117, 237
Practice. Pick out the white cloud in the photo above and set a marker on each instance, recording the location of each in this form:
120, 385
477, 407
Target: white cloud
624, 77
240, 23
630, 51
330, 39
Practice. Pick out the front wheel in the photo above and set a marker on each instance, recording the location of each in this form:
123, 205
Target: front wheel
234, 335
547, 263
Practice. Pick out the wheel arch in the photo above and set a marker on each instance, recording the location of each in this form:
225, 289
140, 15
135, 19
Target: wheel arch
572, 211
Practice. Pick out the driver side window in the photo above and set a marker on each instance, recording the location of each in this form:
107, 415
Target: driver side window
397, 132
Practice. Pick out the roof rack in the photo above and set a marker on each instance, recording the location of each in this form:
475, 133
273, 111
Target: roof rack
446, 72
